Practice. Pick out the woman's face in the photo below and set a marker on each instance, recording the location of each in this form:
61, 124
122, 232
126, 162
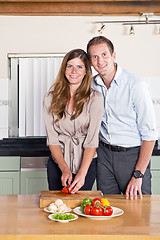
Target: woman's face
75, 72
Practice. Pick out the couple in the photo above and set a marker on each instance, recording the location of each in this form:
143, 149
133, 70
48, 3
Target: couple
118, 104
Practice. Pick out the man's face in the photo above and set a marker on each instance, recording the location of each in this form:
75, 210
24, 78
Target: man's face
101, 59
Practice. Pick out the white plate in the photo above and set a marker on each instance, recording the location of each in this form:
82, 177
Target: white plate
116, 212
62, 221
47, 210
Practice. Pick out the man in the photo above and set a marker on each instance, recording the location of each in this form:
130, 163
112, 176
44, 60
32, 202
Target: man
128, 134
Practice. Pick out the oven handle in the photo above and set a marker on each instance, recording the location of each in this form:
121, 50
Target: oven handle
33, 169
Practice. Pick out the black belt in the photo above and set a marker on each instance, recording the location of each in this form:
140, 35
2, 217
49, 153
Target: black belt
117, 148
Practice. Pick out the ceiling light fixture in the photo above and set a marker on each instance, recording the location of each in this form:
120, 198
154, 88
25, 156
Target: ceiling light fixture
101, 29
131, 32
139, 22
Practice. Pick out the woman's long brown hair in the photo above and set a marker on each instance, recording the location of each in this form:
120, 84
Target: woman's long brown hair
60, 89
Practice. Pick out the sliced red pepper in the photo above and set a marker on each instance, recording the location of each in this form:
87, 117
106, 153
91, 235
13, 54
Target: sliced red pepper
65, 190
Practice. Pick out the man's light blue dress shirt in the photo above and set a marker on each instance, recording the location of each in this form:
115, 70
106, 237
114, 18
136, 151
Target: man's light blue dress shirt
128, 110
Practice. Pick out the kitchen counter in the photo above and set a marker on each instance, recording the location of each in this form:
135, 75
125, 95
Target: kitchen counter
22, 219
24, 147
34, 146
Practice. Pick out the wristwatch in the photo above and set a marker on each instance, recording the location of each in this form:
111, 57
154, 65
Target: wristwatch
138, 174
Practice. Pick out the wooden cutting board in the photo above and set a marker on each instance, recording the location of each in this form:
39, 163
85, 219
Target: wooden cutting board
71, 200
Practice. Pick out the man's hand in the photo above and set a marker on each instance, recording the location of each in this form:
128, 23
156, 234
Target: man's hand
133, 188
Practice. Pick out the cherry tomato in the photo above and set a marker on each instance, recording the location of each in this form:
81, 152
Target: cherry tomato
87, 209
86, 201
97, 200
107, 211
96, 211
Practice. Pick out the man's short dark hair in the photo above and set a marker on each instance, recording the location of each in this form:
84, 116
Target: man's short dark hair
99, 40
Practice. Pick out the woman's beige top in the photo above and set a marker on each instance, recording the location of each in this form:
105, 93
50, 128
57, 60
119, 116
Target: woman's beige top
75, 135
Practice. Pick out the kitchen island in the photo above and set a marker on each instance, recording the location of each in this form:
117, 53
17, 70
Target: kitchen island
22, 219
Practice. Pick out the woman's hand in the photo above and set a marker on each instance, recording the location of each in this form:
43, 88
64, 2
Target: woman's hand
77, 183
66, 177
80, 177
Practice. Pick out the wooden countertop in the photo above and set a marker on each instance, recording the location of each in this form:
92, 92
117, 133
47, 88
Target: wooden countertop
22, 219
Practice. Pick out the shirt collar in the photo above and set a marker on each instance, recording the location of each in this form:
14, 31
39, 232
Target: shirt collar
99, 80
118, 73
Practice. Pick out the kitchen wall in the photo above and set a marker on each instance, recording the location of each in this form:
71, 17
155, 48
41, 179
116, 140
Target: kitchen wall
139, 53
3, 107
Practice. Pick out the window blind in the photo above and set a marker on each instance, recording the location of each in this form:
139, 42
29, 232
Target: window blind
35, 76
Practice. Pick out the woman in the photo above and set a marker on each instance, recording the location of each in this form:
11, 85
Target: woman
72, 114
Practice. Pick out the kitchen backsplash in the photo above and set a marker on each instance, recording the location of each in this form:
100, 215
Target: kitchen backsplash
153, 82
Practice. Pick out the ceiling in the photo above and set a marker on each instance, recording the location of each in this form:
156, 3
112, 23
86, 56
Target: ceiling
78, 8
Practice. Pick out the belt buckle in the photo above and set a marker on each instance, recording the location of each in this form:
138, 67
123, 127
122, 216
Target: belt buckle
110, 147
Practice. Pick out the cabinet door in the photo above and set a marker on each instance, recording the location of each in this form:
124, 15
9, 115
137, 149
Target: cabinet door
155, 182
9, 182
155, 171
33, 182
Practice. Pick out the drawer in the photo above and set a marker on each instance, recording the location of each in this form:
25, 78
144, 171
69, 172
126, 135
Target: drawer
9, 163
34, 163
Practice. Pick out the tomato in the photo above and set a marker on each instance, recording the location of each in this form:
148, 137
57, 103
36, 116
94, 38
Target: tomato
96, 211
107, 211
97, 200
83, 206
86, 201
105, 202
87, 209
